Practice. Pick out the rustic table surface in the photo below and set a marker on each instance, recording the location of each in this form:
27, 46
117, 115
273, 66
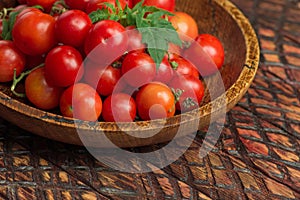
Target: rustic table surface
257, 156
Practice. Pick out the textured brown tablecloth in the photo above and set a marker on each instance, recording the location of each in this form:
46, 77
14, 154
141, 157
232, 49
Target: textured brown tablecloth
257, 156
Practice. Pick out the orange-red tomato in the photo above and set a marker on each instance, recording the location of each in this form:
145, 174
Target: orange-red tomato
155, 100
39, 92
185, 25
81, 101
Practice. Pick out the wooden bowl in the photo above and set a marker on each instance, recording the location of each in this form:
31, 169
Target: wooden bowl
218, 17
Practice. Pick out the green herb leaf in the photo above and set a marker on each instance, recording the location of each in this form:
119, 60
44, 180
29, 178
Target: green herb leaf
98, 15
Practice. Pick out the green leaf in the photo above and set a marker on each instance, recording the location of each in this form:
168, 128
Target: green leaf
99, 15
8, 25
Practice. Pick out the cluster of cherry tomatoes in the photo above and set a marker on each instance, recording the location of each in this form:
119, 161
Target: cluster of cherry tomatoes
52, 49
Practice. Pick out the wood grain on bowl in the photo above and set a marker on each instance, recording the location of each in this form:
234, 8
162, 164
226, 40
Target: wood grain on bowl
218, 17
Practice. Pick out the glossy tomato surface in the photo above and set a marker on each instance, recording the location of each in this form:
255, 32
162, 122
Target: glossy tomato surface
155, 100
63, 66
138, 69
119, 107
72, 27
106, 41
33, 33
39, 92
81, 101
11, 58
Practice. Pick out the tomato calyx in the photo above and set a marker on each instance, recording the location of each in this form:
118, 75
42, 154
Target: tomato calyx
177, 94
17, 80
58, 8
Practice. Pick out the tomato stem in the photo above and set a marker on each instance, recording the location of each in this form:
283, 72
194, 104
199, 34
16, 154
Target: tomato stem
16, 80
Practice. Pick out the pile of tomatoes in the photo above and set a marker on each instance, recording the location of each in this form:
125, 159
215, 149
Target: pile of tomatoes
56, 49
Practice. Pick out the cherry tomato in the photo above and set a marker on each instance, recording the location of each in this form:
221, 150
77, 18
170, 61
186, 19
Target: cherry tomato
10, 59
63, 66
106, 42
155, 100
72, 27
81, 101
190, 90
165, 72
206, 53
33, 33
168, 5
213, 47
104, 79
119, 107
184, 67
138, 69
93, 5
77, 4
46, 4
39, 92
185, 25
135, 40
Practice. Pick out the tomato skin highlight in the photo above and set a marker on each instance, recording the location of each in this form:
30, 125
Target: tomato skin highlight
63, 66
119, 107
81, 101
39, 92
155, 100
39, 38
10, 58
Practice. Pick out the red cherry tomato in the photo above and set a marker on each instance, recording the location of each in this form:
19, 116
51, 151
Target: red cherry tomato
77, 4
163, 4
184, 67
190, 90
72, 27
155, 101
213, 47
39, 92
10, 59
138, 69
46, 4
119, 107
33, 33
81, 101
185, 25
106, 42
206, 53
104, 79
63, 66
